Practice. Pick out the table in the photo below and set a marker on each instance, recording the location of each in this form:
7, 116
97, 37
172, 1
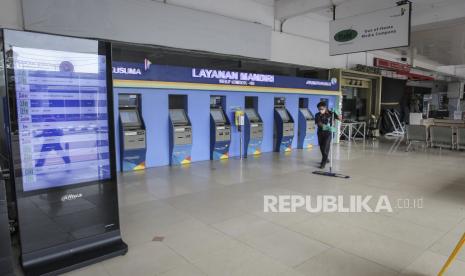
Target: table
350, 130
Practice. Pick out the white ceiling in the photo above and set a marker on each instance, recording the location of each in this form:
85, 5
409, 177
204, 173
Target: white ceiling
443, 43
438, 26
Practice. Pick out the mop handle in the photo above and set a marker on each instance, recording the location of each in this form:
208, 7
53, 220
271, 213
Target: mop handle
331, 145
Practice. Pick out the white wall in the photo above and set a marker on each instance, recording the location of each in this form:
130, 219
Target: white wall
149, 22
315, 27
239, 27
448, 10
305, 40
314, 52
300, 50
457, 70
10, 14
260, 11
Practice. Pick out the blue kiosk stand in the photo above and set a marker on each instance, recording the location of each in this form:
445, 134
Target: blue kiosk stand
60, 147
220, 129
306, 131
180, 137
253, 127
284, 126
253, 132
132, 133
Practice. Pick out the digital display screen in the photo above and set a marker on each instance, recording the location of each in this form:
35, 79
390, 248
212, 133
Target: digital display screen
306, 113
283, 113
61, 99
217, 115
252, 115
127, 100
178, 116
129, 117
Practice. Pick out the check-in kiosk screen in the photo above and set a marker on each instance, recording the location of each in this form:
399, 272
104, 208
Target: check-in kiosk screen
129, 117
61, 100
217, 115
252, 114
178, 116
127, 100
306, 113
283, 113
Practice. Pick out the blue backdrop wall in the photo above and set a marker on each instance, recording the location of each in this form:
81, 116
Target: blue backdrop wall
155, 115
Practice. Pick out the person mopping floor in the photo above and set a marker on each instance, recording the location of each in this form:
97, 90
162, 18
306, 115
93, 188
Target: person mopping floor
324, 121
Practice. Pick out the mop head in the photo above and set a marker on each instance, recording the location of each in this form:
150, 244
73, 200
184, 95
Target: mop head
331, 174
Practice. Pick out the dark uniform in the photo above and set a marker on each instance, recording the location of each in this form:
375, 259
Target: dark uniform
324, 136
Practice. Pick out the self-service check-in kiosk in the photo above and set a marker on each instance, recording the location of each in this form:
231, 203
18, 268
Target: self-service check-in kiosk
180, 131
306, 131
253, 127
132, 133
220, 129
284, 126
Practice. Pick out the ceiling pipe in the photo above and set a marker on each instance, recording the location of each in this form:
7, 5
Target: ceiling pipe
281, 25
334, 12
318, 8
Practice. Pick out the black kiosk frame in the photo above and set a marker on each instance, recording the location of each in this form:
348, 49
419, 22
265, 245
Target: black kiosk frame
253, 127
306, 129
60, 142
180, 130
283, 126
220, 129
133, 145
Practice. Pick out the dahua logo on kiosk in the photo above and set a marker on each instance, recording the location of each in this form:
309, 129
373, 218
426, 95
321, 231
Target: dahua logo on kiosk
345, 35
69, 197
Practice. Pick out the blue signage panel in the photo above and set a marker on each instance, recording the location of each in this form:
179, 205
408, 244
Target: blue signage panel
62, 117
153, 72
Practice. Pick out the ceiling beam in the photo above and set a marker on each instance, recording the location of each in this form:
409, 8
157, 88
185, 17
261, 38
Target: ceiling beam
285, 9
446, 13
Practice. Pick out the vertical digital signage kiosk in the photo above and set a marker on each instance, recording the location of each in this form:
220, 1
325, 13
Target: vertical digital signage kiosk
180, 131
6, 261
306, 131
284, 126
60, 129
220, 129
132, 133
253, 127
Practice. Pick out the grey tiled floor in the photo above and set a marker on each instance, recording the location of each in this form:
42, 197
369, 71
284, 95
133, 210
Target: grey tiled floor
211, 216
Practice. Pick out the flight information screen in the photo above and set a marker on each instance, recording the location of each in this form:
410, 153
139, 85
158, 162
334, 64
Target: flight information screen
61, 100
178, 116
217, 115
283, 113
129, 117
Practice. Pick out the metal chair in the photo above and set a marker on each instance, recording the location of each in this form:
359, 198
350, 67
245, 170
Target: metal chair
417, 134
442, 136
460, 138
